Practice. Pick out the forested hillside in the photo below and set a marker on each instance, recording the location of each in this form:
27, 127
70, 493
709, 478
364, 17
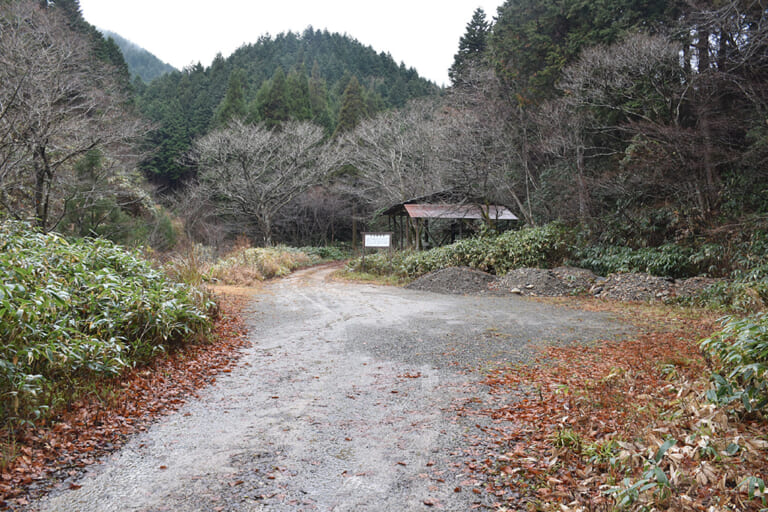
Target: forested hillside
643, 128
652, 121
301, 77
641, 122
628, 136
140, 62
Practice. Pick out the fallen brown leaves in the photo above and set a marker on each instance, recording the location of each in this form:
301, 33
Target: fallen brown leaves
595, 425
101, 422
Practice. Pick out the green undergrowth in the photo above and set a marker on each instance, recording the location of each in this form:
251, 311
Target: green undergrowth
668, 260
327, 253
740, 353
742, 267
75, 310
531, 247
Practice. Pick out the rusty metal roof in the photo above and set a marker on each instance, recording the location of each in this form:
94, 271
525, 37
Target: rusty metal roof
458, 211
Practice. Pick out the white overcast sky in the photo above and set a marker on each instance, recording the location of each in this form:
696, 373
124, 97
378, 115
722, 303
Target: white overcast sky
424, 34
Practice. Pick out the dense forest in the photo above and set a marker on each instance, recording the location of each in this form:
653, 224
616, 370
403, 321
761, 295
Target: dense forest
328, 79
644, 127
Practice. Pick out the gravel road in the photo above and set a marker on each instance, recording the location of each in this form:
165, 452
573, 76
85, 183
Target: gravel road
342, 403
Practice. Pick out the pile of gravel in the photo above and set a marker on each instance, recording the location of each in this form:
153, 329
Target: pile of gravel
633, 287
579, 280
454, 280
692, 287
560, 282
534, 282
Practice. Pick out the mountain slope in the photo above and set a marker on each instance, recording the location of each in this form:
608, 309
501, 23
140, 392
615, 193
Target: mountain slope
291, 76
140, 62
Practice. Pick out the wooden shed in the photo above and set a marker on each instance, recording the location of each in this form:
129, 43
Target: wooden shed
410, 220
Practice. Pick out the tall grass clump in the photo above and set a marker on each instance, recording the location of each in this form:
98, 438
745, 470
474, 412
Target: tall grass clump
247, 266
191, 266
77, 309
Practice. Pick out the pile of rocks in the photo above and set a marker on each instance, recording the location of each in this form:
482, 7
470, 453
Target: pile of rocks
560, 282
454, 280
633, 287
537, 282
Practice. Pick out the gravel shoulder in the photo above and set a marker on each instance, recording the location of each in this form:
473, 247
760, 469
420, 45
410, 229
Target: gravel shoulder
345, 401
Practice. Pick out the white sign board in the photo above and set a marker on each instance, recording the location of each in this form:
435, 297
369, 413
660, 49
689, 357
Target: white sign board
377, 240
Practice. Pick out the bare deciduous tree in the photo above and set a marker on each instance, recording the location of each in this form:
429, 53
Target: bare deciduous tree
397, 154
253, 172
487, 144
637, 98
57, 103
639, 78
319, 216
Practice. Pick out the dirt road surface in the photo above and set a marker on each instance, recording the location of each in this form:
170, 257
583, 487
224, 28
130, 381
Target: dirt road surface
344, 402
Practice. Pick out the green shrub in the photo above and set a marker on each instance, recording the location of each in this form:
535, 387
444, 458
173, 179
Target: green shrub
670, 260
327, 253
382, 263
73, 309
742, 296
544, 246
741, 351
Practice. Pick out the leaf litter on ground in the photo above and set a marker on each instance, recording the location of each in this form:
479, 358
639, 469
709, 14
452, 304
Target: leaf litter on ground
54, 452
618, 425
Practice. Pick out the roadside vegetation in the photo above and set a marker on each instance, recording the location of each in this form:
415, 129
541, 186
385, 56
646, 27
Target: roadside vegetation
631, 144
91, 333
250, 265
740, 265
244, 265
75, 311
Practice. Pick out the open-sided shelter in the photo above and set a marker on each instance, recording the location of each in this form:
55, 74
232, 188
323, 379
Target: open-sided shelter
410, 220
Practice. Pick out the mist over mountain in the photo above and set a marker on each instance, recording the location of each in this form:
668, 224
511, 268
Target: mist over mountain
141, 62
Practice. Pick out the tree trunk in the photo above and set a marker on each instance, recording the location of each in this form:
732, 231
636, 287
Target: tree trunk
43, 177
265, 225
703, 47
581, 185
527, 171
710, 172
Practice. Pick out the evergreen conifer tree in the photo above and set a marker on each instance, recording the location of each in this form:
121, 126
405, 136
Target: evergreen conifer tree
353, 107
472, 45
297, 94
318, 99
272, 100
233, 105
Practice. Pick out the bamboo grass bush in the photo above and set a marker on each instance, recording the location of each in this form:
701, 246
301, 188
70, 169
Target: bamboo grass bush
75, 309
